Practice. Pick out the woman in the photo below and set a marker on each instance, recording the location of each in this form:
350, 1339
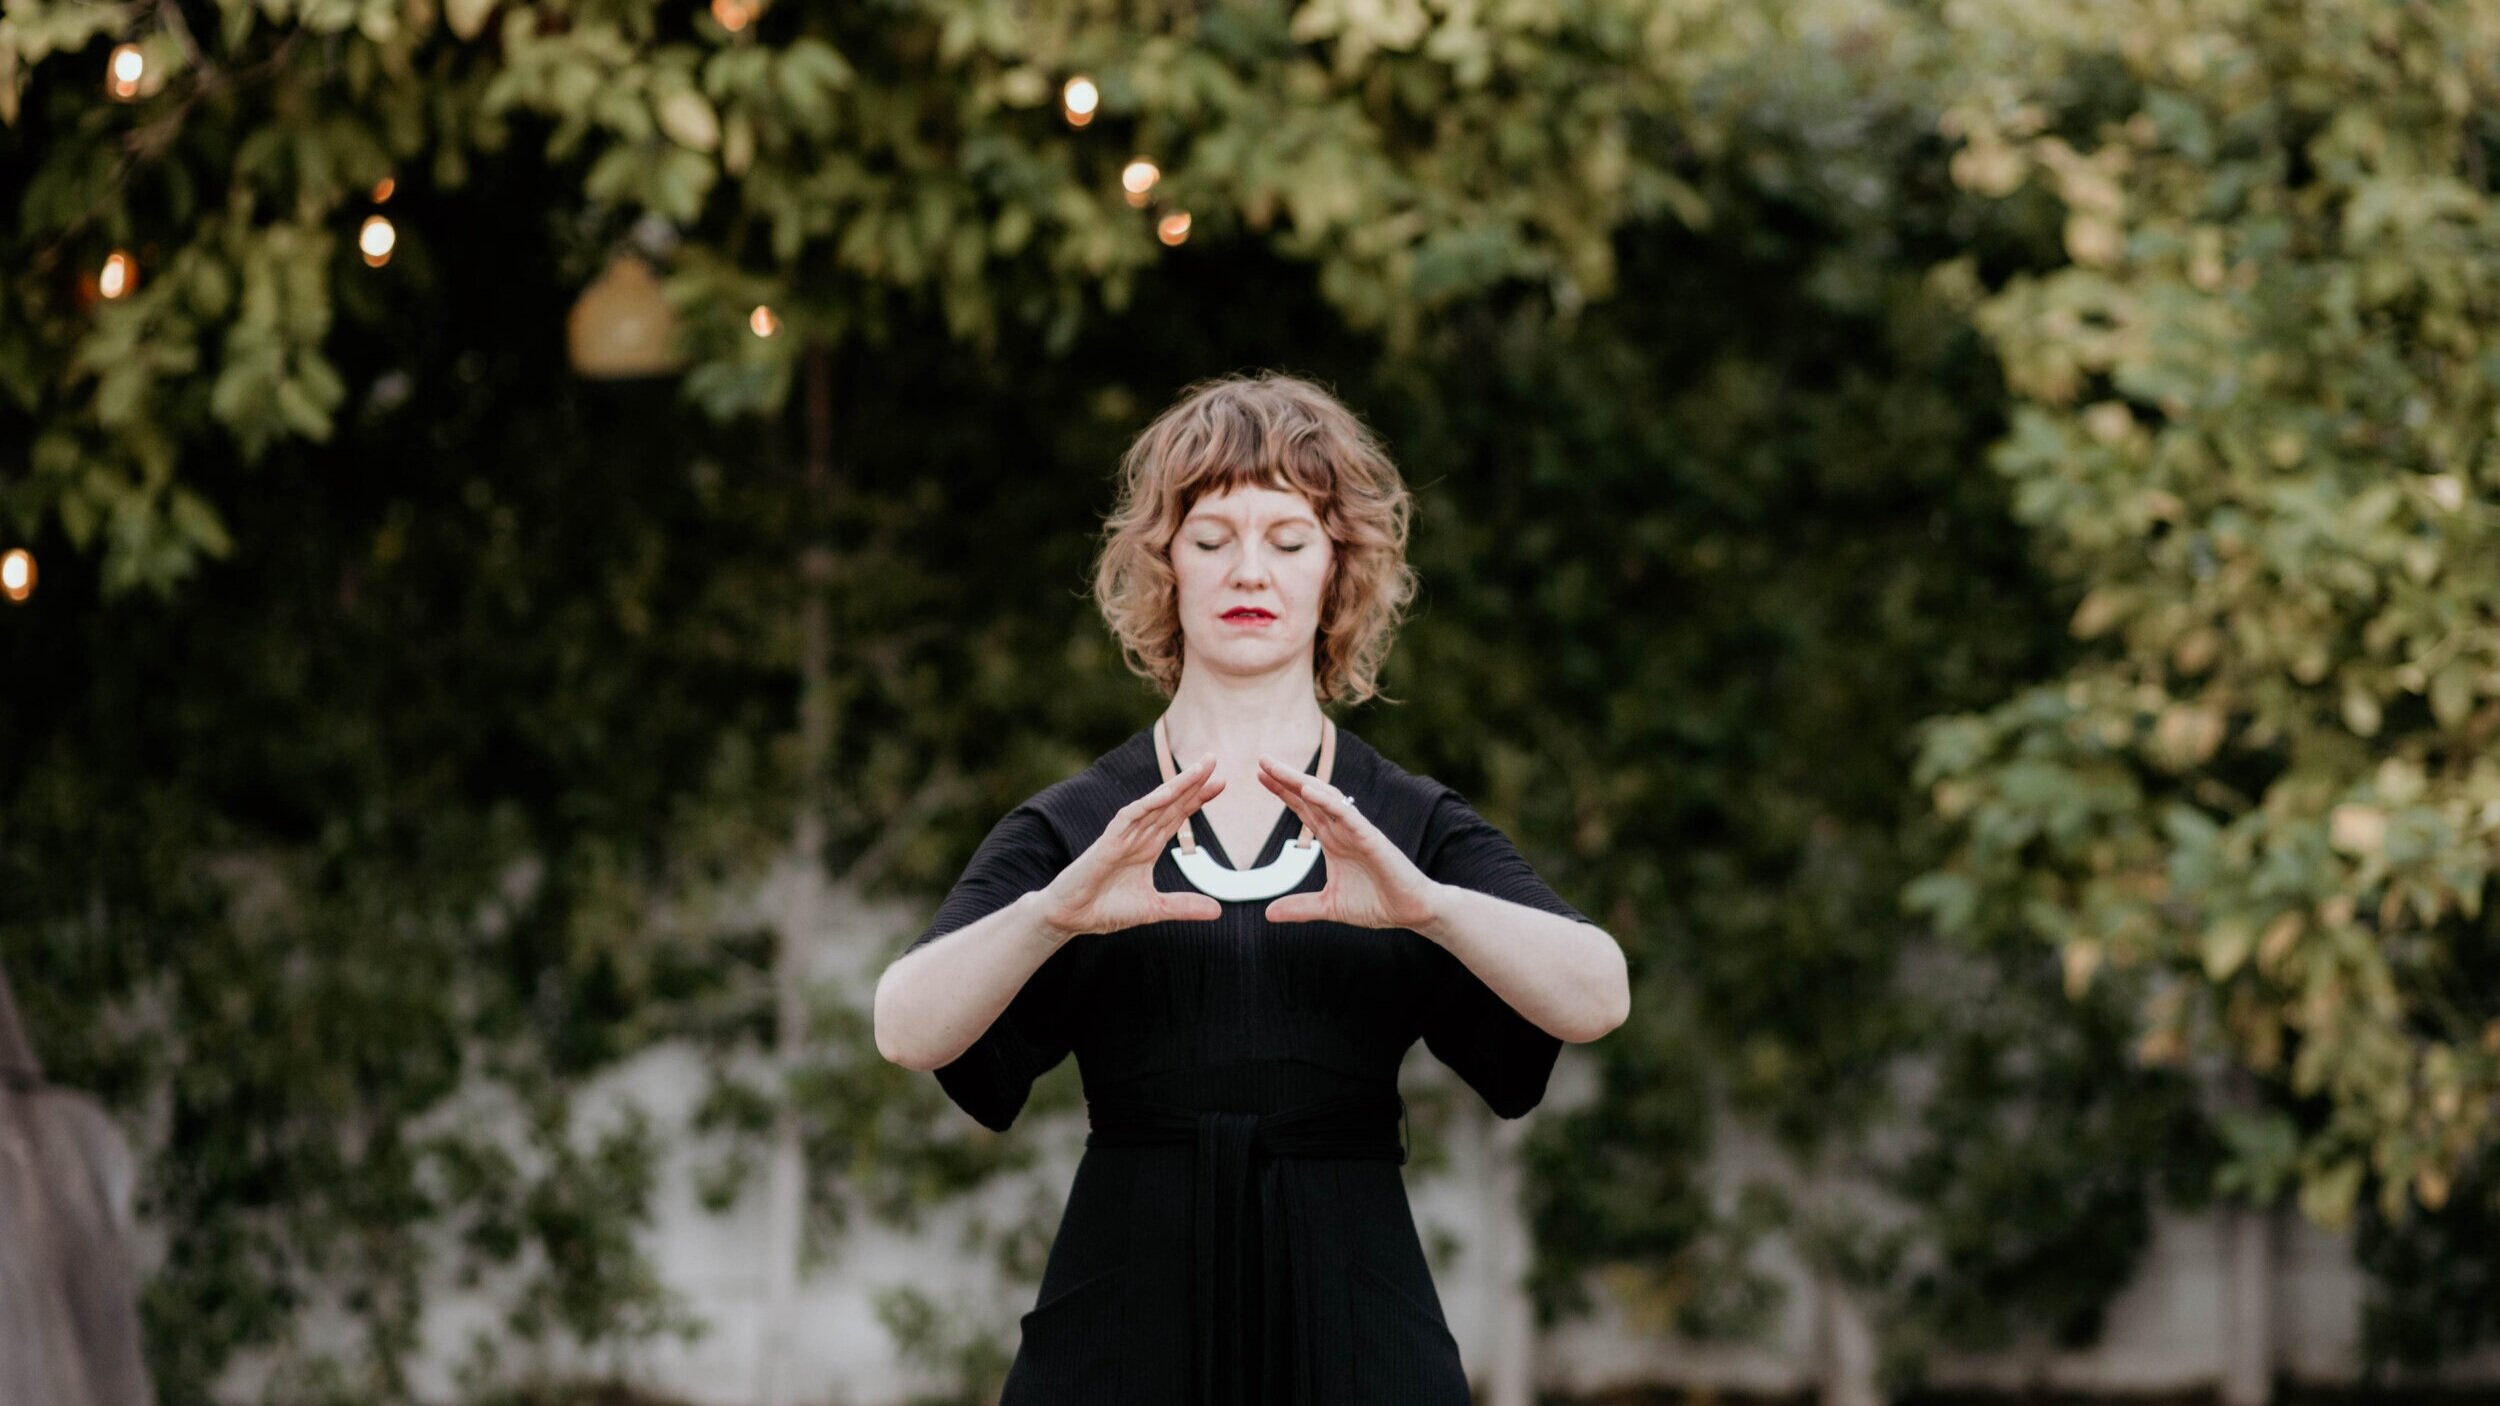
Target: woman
1238, 1230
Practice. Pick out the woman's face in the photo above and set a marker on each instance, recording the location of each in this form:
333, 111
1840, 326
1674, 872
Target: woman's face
1249, 551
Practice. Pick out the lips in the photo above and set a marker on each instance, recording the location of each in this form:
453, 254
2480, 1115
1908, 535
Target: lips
1248, 613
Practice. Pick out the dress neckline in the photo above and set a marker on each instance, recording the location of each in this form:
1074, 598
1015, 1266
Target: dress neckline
1286, 824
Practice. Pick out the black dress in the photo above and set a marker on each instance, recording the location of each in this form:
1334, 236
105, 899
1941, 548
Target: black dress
1238, 1232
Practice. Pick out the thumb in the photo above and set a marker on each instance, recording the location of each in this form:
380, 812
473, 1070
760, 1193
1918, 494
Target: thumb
1193, 908
1296, 908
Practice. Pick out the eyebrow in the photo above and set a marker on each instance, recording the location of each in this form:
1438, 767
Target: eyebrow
1204, 516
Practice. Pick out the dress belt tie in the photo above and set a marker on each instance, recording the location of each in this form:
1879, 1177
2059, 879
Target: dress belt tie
1239, 1326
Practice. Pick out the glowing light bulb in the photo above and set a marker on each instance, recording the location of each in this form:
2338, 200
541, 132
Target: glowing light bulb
375, 239
120, 273
383, 189
762, 322
1173, 228
17, 574
124, 70
1138, 178
734, 15
1078, 98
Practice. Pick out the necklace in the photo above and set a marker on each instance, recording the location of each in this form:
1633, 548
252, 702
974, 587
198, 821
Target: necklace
1275, 877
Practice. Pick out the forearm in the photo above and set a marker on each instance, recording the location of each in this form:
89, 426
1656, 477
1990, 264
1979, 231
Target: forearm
932, 1003
1568, 977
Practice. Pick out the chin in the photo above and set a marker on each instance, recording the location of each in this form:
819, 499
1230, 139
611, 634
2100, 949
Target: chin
1258, 651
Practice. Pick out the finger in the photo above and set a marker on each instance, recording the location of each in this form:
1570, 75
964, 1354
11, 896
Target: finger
1160, 810
1293, 774
1284, 780
1339, 806
1292, 797
1166, 819
1146, 804
1328, 811
1301, 785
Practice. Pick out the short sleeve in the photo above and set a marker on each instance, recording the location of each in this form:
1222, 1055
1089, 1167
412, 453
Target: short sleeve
991, 1079
1503, 1056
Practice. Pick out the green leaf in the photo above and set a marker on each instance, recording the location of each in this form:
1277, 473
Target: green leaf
2327, 1197
2226, 945
199, 522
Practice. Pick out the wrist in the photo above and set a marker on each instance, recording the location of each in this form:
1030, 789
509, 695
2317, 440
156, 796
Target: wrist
1439, 901
1037, 905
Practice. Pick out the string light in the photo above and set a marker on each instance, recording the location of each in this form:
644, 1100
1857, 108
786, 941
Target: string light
17, 574
762, 322
383, 189
375, 239
121, 274
1138, 179
1173, 228
735, 15
124, 70
1078, 98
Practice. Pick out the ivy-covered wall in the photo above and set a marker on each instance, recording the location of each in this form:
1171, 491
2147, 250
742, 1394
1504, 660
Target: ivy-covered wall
1962, 532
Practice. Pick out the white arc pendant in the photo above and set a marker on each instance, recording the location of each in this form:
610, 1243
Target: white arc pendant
1276, 877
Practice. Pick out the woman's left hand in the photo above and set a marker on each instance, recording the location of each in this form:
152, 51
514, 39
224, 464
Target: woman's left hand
1371, 883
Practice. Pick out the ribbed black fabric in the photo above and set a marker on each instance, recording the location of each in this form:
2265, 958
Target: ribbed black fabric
1243, 1305
1241, 1016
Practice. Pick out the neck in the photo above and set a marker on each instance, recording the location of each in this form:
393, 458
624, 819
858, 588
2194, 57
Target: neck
1237, 719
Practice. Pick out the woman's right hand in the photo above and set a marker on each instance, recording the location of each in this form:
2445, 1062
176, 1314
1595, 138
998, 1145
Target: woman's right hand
1112, 884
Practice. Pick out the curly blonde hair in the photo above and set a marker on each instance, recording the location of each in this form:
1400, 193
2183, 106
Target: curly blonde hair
1265, 429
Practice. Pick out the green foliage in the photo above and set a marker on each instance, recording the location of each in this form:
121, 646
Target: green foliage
581, 1213
818, 160
943, 1340
2438, 1275
289, 863
1733, 521
1938, 847
2254, 436
2043, 1148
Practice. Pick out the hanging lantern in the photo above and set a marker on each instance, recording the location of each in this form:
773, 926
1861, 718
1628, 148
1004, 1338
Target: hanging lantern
622, 325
